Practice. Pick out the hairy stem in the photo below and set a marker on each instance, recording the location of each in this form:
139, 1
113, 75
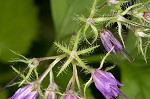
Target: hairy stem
50, 67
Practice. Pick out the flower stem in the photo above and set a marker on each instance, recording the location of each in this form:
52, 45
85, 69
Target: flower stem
77, 79
50, 67
46, 58
86, 85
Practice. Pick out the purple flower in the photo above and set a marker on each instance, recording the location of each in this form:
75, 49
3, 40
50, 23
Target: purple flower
49, 92
70, 95
26, 92
109, 41
106, 83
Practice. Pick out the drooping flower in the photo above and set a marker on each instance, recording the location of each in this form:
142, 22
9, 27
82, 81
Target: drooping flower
26, 92
70, 95
109, 41
50, 94
106, 83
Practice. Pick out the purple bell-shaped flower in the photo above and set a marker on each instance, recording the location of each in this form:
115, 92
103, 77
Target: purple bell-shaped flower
106, 83
26, 92
109, 41
70, 95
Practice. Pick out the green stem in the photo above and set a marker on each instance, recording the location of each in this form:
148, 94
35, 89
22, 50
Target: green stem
87, 85
36, 73
129, 8
51, 80
46, 58
77, 79
120, 32
50, 67
141, 48
103, 60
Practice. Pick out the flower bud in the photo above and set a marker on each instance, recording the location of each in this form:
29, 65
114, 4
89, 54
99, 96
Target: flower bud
109, 41
106, 83
70, 95
49, 93
26, 92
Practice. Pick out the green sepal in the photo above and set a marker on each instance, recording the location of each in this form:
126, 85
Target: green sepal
65, 65
62, 48
82, 19
87, 50
140, 47
27, 76
81, 63
22, 58
84, 31
102, 19
75, 47
18, 54
93, 8
129, 8
95, 32
19, 73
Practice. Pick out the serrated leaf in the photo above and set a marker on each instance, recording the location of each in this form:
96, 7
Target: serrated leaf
18, 26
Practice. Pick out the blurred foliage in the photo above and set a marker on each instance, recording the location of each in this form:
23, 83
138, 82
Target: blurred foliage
18, 26
135, 76
23, 22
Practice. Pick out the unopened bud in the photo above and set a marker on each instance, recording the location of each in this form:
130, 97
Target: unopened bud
70, 95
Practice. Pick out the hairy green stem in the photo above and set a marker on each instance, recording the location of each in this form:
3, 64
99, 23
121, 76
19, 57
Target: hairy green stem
50, 67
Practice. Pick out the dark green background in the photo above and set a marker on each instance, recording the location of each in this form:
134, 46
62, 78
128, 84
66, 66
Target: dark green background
30, 27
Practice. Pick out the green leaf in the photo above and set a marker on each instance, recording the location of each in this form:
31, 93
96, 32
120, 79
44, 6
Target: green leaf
18, 26
63, 13
135, 76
